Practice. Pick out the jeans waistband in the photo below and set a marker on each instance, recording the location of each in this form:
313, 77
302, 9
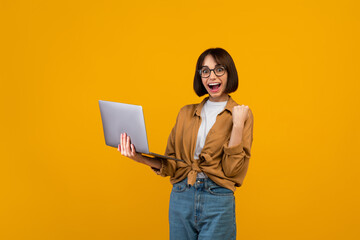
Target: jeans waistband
207, 181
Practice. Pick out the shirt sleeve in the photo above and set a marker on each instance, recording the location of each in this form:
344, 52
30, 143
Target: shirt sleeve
168, 167
235, 158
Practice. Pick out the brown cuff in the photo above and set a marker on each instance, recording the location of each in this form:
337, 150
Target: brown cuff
233, 150
162, 169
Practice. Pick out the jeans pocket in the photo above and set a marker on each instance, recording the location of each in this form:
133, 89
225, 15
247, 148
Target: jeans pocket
180, 186
220, 191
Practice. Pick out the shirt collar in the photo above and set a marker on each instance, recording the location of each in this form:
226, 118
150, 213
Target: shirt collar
229, 105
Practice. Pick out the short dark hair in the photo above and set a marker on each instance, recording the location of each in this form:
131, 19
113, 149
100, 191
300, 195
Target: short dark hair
222, 57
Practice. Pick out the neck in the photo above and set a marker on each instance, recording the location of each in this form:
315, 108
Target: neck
222, 98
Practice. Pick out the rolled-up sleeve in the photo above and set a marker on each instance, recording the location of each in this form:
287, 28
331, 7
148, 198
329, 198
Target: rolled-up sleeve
166, 169
236, 158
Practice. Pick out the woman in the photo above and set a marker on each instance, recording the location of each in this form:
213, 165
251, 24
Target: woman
214, 139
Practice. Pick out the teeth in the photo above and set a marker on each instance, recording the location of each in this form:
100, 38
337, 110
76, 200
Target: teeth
213, 84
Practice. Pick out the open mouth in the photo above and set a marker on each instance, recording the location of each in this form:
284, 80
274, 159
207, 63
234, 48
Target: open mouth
214, 86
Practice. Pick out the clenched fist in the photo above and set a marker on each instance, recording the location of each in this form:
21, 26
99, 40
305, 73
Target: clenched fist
240, 114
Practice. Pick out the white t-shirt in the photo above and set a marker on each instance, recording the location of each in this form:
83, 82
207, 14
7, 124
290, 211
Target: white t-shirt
209, 113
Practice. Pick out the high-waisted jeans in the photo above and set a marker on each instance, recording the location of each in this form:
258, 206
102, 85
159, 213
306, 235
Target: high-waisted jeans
202, 211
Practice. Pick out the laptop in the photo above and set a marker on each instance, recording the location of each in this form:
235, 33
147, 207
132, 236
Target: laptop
120, 118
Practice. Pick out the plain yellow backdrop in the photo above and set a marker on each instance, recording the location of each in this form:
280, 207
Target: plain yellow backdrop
298, 64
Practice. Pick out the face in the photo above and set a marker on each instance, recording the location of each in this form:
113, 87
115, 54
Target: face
213, 84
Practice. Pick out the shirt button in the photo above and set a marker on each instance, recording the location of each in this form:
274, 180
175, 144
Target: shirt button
198, 182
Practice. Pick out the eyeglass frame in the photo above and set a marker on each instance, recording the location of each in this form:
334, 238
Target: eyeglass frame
213, 70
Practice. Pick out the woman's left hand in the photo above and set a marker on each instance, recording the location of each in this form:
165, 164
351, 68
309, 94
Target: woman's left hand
240, 114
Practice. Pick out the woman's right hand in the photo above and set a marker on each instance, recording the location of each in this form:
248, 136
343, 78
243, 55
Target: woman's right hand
127, 149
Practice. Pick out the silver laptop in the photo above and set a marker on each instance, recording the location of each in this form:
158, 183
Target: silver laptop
120, 118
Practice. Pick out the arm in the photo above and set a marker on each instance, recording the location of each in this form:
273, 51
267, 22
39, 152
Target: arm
237, 150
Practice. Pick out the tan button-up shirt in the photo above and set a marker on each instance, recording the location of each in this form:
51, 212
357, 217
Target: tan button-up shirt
226, 166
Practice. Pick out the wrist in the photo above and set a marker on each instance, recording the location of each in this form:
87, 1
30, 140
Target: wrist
238, 126
138, 158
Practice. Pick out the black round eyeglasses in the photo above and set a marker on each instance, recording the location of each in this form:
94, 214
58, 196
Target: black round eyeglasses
205, 71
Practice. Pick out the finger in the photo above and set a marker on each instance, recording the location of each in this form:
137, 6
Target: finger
124, 138
125, 145
128, 145
122, 144
119, 146
132, 150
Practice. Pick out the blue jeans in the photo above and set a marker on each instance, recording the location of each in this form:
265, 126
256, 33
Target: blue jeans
202, 211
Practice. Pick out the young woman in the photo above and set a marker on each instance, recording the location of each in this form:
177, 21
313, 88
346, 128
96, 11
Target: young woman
214, 139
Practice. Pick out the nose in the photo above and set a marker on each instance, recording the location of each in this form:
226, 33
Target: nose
212, 74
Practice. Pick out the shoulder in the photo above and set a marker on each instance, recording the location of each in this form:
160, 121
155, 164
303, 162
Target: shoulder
192, 108
187, 111
189, 108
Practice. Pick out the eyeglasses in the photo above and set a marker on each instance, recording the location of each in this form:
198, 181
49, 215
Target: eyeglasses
205, 72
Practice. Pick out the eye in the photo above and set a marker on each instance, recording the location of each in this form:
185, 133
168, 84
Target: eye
205, 71
220, 69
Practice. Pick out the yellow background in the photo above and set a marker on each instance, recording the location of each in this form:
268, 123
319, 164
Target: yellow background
298, 64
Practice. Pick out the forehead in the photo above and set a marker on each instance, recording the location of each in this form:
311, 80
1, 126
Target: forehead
209, 61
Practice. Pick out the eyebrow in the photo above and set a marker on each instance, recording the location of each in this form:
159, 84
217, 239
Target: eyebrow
215, 65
